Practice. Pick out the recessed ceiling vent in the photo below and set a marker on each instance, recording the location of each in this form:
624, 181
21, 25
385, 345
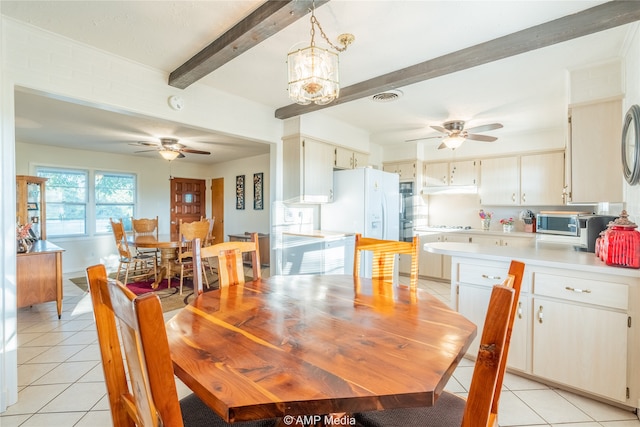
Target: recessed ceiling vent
388, 96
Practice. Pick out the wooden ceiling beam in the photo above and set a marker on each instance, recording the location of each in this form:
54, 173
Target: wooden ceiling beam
271, 17
589, 21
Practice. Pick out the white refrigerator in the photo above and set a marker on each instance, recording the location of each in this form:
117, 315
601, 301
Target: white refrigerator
365, 201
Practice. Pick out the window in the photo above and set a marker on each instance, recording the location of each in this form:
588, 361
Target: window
66, 197
115, 198
78, 205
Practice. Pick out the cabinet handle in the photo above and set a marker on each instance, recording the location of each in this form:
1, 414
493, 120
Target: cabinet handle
524, 197
519, 310
513, 197
485, 276
582, 291
540, 316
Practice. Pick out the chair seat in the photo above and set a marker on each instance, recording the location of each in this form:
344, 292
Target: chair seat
196, 413
447, 412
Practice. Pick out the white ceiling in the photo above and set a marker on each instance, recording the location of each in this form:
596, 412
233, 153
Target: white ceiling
525, 93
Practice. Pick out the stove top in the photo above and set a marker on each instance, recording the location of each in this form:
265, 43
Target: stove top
451, 227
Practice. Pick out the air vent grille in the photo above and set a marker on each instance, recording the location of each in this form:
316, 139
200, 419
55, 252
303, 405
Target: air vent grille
387, 96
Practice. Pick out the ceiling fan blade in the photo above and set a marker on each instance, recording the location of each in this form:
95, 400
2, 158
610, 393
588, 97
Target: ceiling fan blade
181, 156
484, 128
189, 150
439, 129
144, 144
441, 146
144, 151
424, 137
483, 138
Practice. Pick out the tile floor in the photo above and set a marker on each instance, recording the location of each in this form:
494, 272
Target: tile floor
61, 383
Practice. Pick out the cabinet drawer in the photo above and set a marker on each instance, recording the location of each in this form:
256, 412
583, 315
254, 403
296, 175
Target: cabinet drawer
486, 275
597, 292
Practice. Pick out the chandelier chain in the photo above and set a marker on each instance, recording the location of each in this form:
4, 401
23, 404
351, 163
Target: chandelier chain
314, 22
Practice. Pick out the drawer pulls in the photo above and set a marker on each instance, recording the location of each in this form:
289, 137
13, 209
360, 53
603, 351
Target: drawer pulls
485, 276
582, 291
540, 316
519, 309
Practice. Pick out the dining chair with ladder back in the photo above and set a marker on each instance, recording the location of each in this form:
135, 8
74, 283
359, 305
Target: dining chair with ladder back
142, 262
146, 227
188, 232
208, 242
149, 398
480, 409
231, 261
384, 257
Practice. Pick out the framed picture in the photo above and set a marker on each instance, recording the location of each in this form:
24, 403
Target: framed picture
32, 206
258, 202
240, 192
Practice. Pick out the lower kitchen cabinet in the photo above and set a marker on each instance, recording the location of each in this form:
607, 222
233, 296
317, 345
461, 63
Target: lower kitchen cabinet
316, 255
572, 328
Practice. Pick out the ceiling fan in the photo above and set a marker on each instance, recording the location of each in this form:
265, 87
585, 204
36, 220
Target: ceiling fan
456, 134
169, 148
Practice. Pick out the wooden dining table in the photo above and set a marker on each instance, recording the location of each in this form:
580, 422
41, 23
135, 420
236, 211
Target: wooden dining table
300, 347
167, 244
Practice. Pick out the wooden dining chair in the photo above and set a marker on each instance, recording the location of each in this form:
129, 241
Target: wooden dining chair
231, 260
149, 398
188, 232
142, 263
146, 227
384, 258
480, 409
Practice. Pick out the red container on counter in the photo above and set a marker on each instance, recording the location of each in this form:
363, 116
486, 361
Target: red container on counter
619, 244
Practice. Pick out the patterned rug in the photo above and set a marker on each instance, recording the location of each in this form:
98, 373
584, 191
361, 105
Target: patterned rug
169, 298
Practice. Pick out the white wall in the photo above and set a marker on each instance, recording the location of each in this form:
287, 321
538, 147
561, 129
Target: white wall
238, 221
631, 194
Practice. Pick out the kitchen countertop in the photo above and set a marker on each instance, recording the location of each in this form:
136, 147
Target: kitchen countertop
548, 255
478, 231
319, 234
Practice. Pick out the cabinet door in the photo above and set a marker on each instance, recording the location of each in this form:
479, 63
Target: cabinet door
463, 173
436, 174
517, 242
343, 158
360, 160
581, 346
429, 264
472, 304
500, 181
486, 240
318, 171
446, 259
542, 179
407, 171
595, 152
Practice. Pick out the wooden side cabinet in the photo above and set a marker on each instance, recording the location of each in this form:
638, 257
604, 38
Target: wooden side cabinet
39, 275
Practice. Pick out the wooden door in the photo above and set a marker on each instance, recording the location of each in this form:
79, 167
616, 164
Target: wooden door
187, 201
217, 208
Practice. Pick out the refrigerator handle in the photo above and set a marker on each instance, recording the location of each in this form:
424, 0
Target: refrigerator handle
385, 226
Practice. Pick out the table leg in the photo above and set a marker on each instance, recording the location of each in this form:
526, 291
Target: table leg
167, 256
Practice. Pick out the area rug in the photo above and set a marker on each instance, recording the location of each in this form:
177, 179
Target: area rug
169, 298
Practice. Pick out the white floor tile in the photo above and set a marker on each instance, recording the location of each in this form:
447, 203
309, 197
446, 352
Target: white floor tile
95, 419
76, 397
512, 411
52, 420
597, 410
32, 399
69, 372
552, 407
632, 423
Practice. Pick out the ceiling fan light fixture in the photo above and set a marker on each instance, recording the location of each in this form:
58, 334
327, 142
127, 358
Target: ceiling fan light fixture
169, 154
453, 141
313, 71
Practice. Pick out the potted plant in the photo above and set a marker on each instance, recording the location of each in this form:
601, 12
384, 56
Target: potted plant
485, 219
507, 224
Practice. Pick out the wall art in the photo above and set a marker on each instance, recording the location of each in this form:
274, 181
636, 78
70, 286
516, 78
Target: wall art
258, 201
240, 192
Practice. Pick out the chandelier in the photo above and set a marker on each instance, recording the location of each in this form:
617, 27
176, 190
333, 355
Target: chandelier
453, 141
313, 71
169, 154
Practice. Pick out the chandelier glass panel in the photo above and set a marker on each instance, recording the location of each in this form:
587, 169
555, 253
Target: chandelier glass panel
313, 71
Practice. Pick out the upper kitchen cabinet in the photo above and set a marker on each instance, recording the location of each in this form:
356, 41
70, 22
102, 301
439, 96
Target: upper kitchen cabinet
527, 180
542, 179
594, 162
308, 170
345, 158
406, 170
450, 174
500, 181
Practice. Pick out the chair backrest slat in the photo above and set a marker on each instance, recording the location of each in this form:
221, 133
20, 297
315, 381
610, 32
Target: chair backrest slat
230, 262
384, 257
120, 237
188, 232
145, 226
152, 399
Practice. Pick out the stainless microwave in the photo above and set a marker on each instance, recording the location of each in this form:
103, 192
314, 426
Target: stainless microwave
561, 223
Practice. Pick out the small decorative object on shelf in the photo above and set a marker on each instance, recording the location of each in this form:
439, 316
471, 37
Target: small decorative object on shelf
22, 237
485, 219
507, 224
619, 244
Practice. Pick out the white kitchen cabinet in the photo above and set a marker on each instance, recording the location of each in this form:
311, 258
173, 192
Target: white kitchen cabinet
345, 158
429, 264
475, 282
584, 322
500, 181
595, 161
446, 259
315, 255
450, 174
406, 170
308, 170
542, 179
